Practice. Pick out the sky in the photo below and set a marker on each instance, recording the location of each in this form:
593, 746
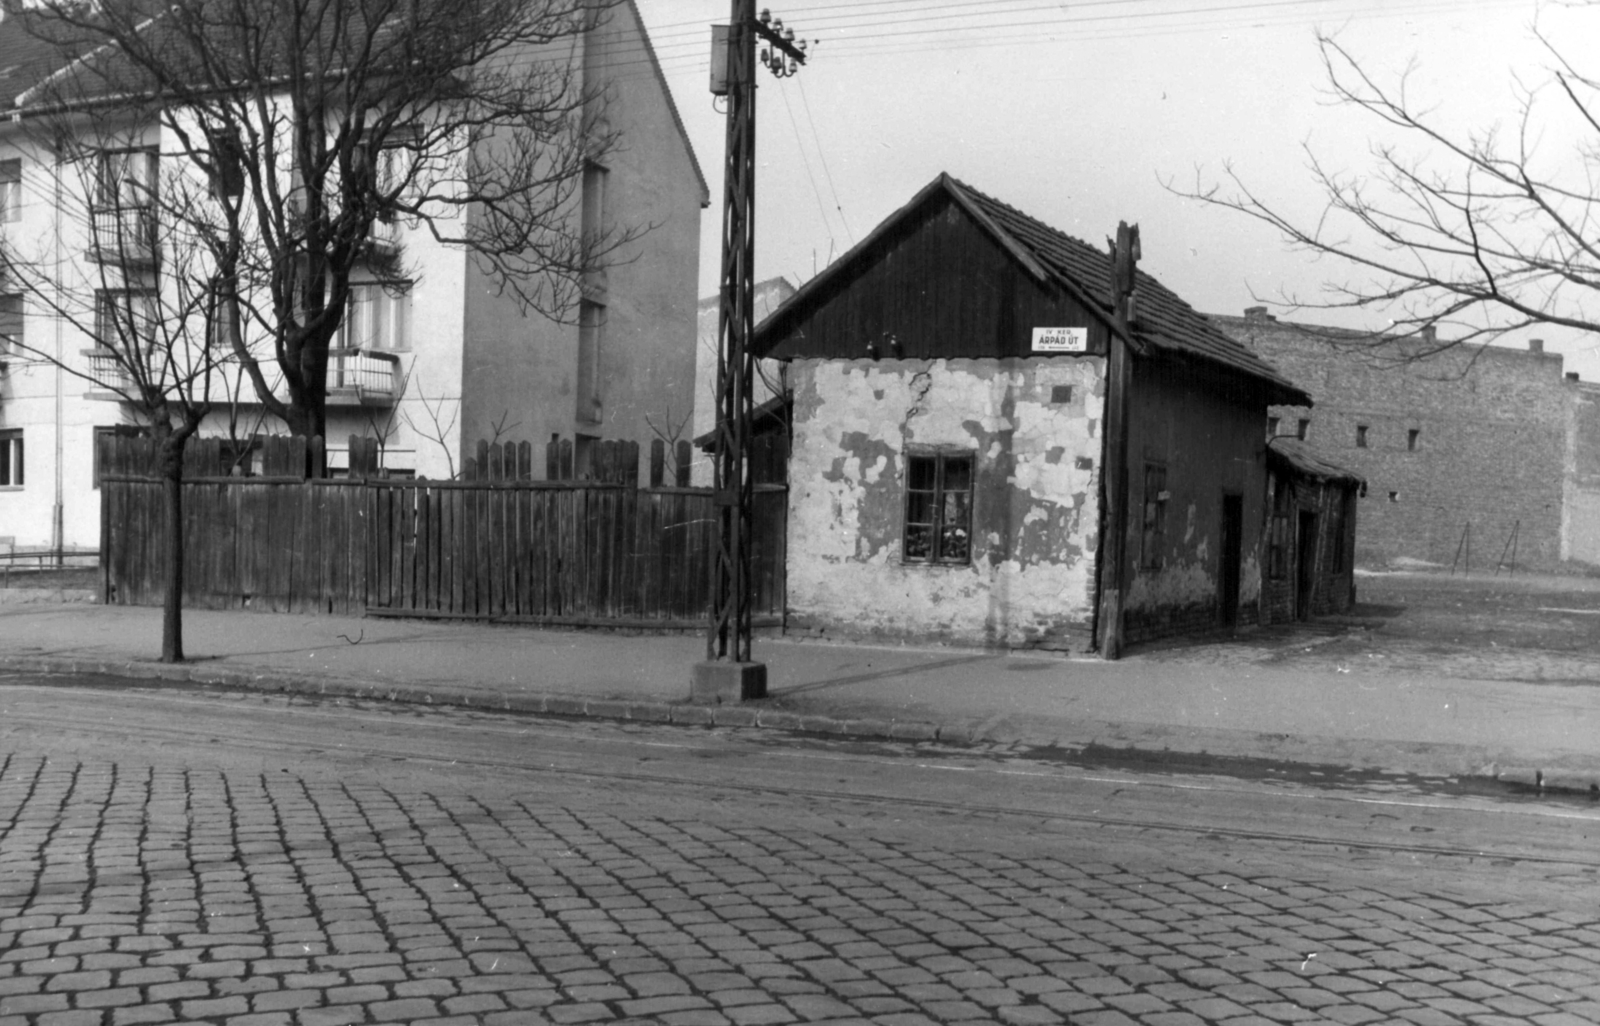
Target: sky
1082, 114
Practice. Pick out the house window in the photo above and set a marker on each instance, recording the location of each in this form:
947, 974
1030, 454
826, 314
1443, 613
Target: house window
125, 319
591, 339
1361, 436
10, 324
125, 179
1411, 439
1278, 546
378, 317
10, 190
11, 458
1153, 531
1272, 427
1303, 429
938, 508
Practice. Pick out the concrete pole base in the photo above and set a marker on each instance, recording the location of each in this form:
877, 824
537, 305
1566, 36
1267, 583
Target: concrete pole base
720, 682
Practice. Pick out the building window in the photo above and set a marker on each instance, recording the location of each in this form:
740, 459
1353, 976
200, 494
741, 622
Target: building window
10, 324
125, 179
11, 458
1278, 546
125, 320
1272, 427
1302, 429
1361, 436
938, 508
10, 190
591, 339
1153, 533
1411, 439
378, 317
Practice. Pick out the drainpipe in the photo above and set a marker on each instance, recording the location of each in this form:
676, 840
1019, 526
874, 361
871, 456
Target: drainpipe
58, 530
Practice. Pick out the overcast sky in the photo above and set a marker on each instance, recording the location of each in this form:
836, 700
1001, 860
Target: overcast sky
1078, 112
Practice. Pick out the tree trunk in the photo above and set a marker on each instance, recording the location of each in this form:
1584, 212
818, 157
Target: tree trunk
172, 606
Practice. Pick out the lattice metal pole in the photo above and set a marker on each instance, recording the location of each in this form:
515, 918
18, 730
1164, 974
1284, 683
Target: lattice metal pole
729, 673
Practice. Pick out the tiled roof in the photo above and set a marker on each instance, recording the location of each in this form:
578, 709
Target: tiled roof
1299, 457
1163, 320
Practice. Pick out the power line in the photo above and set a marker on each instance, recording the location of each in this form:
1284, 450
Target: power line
821, 156
805, 161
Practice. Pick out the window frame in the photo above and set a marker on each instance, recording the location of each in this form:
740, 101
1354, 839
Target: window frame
13, 461
938, 505
1361, 437
1153, 515
11, 342
11, 190
103, 298
388, 305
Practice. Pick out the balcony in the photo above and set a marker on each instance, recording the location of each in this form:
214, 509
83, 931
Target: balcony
109, 374
123, 236
382, 247
363, 377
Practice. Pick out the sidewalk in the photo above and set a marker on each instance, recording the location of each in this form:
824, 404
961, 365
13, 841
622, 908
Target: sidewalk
1431, 725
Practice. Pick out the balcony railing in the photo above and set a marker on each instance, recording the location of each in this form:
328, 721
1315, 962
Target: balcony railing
123, 235
111, 378
363, 377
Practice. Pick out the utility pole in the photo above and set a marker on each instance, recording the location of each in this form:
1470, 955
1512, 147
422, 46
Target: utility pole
1114, 462
729, 674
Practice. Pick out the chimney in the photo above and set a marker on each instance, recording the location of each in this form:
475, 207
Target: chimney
1257, 313
1535, 345
1429, 334
1572, 375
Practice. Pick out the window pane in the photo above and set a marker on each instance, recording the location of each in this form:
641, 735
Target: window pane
958, 474
954, 544
919, 541
921, 473
919, 508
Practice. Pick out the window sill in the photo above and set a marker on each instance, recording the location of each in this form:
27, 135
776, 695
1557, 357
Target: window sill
13, 488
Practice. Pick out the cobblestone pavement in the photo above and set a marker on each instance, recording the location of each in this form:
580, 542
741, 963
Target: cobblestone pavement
133, 893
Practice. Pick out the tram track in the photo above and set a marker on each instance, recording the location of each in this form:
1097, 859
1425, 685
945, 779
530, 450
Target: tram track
786, 769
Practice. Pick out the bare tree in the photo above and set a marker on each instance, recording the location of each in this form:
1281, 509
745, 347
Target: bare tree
142, 286
334, 120
1476, 233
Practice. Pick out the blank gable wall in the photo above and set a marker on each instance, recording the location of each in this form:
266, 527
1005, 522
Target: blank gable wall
944, 288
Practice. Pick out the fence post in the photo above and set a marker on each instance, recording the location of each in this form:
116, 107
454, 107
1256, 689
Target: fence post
566, 460
658, 462
681, 468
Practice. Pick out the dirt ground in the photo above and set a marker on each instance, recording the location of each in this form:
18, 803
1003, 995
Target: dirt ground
1527, 627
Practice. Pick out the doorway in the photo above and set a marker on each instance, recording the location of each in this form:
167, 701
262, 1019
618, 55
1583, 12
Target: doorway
1305, 576
1232, 546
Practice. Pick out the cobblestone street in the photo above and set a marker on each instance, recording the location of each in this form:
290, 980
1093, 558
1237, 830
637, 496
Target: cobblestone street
137, 890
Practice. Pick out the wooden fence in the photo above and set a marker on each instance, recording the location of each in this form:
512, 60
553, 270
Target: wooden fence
558, 552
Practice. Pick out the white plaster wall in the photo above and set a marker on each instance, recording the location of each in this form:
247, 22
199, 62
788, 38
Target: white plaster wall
1035, 512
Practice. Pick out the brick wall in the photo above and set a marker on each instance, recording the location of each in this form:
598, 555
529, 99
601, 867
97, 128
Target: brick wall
1489, 454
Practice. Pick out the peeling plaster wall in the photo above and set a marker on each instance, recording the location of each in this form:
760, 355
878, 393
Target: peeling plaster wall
1035, 507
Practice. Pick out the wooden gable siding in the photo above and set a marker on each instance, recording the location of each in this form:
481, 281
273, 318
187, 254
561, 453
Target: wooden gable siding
943, 288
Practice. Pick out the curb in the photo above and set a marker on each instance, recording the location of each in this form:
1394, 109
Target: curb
955, 733
543, 704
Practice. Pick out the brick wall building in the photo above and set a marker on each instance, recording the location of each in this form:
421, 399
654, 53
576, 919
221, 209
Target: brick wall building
1493, 449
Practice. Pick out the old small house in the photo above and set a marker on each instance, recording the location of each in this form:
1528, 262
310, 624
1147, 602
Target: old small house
1311, 533
948, 381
